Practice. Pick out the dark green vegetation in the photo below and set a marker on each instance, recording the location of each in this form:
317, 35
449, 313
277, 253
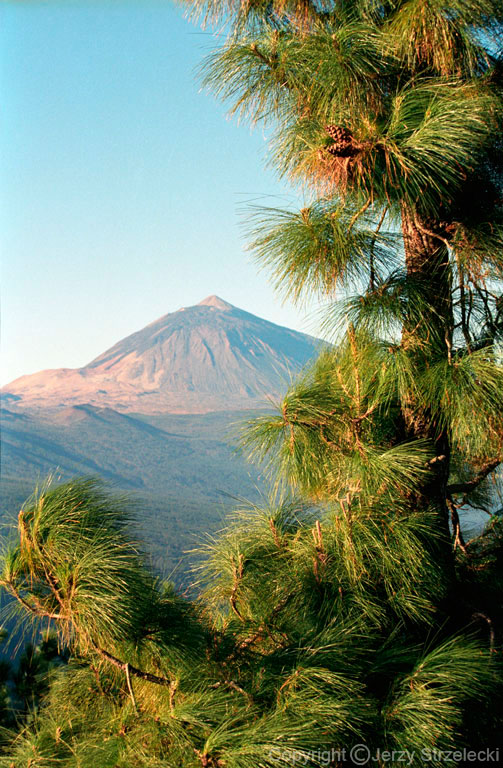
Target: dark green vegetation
311, 633
24, 684
161, 454
349, 610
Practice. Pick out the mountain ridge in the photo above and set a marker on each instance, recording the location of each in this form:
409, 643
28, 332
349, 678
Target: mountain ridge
208, 357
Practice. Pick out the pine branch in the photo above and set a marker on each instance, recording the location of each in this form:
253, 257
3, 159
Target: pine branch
470, 485
130, 687
254, 49
258, 634
238, 575
372, 247
37, 609
127, 668
489, 622
359, 213
464, 325
432, 234
456, 526
130, 669
235, 687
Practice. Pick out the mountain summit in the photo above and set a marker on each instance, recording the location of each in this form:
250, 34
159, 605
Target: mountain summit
209, 357
215, 301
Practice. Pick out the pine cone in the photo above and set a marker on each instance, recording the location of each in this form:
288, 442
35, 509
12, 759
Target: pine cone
343, 145
342, 149
338, 133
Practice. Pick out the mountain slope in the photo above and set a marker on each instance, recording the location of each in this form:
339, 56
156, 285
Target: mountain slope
204, 358
180, 471
191, 460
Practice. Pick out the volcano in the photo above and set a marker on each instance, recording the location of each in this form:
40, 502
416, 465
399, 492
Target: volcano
208, 357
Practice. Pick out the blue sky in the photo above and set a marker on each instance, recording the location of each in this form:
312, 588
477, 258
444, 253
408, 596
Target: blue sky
121, 181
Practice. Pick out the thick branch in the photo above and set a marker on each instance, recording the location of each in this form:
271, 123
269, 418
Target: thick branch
470, 485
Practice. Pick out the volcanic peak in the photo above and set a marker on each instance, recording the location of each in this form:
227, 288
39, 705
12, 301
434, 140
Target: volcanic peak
208, 357
216, 302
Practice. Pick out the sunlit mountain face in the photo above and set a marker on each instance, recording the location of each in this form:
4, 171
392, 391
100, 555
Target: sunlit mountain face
209, 357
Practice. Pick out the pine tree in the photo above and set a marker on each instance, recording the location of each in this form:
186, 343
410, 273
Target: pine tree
348, 608
390, 115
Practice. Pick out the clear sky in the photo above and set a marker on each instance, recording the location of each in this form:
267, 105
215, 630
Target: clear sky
121, 182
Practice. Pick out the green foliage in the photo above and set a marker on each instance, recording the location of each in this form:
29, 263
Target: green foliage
456, 390
353, 611
317, 250
334, 433
72, 539
389, 116
427, 704
308, 636
368, 570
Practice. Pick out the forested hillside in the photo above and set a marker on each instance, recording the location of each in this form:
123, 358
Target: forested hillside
182, 473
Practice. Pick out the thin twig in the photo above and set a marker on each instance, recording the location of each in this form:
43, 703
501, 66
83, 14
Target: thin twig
235, 687
238, 575
263, 627
456, 526
372, 247
130, 687
359, 213
462, 299
254, 49
148, 676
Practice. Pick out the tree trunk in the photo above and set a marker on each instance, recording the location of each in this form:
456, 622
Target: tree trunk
428, 335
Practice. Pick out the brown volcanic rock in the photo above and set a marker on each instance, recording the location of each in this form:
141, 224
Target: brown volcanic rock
209, 357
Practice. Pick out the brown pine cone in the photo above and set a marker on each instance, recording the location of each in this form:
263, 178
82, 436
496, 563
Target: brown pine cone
338, 133
342, 149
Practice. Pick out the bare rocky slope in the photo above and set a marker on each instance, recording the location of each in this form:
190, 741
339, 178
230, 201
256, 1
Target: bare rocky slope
209, 357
